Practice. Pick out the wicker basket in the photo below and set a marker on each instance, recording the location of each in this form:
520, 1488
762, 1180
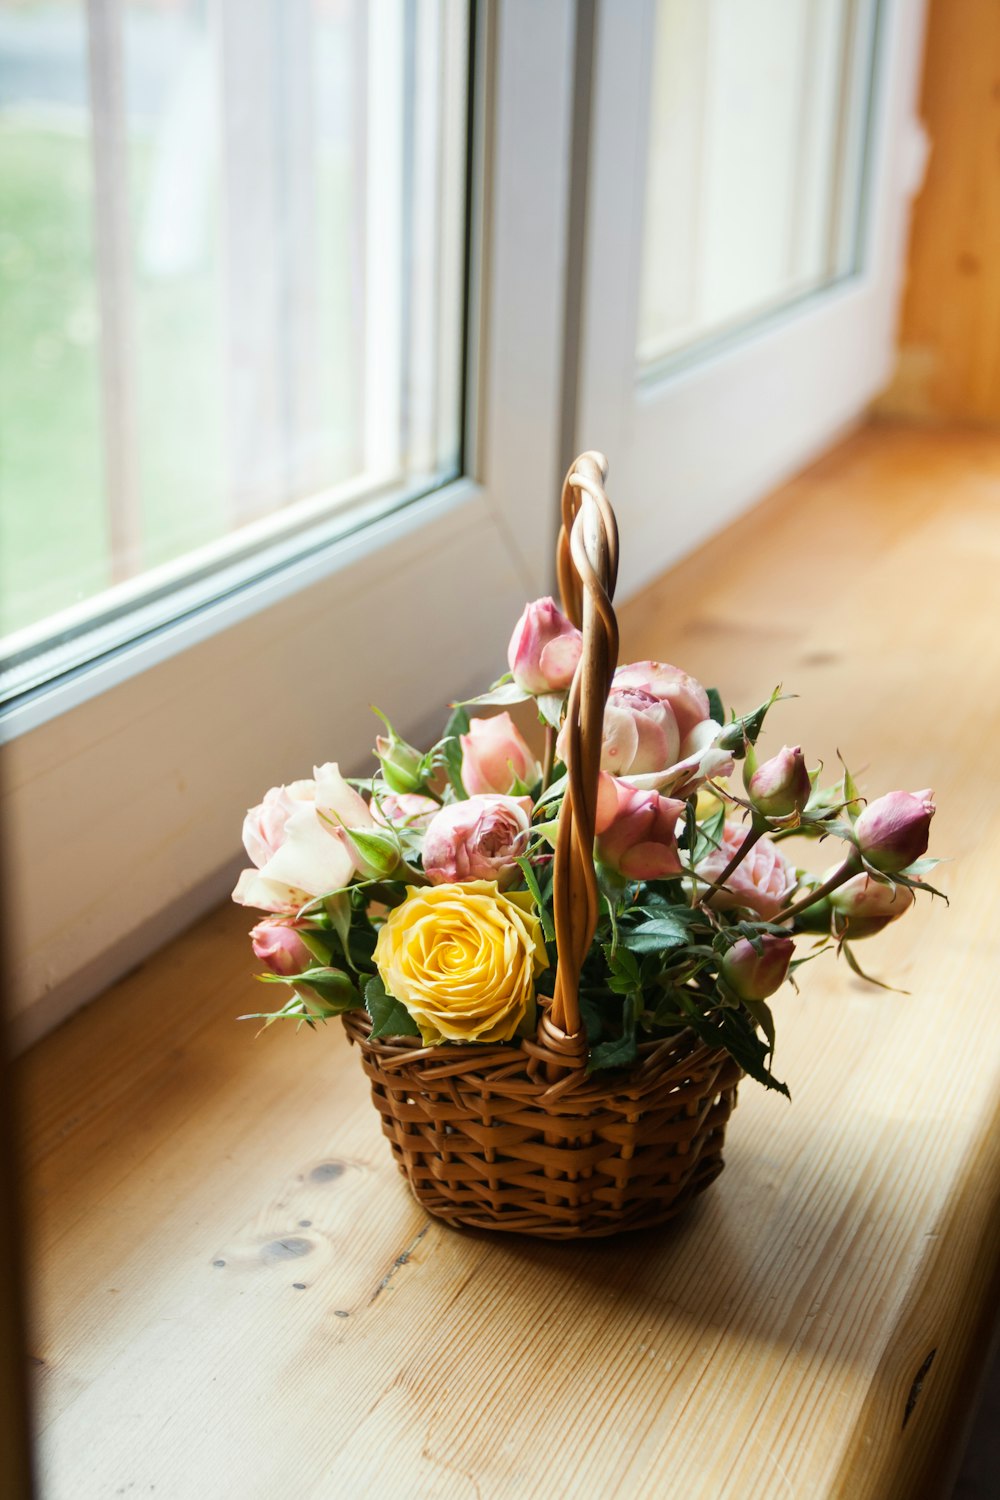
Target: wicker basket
517, 1137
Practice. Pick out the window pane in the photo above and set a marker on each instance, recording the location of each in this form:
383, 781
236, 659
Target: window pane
756, 161
232, 269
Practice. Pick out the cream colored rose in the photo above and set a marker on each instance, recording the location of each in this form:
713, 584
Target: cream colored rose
462, 959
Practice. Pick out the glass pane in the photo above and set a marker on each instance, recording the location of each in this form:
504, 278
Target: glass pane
232, 277
756, 161
53, 520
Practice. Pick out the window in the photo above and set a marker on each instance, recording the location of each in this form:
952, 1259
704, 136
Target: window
754, 188
234, 263
747, 200
124, 778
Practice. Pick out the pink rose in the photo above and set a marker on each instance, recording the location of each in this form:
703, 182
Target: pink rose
640, 733
264, 825
495, 757
683, 694
544, 649
303, 851
893, 830
762, 882
278, 945
637, 831
753, 975
479, 839
404, 810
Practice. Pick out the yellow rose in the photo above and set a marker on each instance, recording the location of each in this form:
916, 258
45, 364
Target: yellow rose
462, 959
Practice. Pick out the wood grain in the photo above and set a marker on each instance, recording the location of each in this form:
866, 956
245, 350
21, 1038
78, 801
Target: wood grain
235, 1296
949, 356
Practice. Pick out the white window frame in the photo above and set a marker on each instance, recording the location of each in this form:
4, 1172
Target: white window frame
122, 795
696, 446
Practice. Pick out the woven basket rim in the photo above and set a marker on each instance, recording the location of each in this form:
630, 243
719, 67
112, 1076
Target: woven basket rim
472, 1058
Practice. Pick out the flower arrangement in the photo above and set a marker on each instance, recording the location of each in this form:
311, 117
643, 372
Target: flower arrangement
557, 966
424, 892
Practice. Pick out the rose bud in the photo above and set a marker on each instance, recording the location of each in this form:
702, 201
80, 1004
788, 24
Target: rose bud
544, 649
278, 945
403, 810
753, 975
762, 882
864, 906
781, 785
683, 695
495, 757
637, 831
893, 830
402, 764
479, 839
815, 918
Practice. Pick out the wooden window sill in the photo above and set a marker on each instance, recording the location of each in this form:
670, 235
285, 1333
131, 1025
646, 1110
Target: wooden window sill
235, 1295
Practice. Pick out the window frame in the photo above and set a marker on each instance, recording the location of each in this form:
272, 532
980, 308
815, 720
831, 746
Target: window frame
123, 793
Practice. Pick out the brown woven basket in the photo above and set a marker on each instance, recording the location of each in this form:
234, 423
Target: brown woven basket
517, 1137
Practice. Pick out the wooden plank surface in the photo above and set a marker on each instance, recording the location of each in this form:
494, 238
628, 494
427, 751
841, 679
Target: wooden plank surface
234, 1294
949, 355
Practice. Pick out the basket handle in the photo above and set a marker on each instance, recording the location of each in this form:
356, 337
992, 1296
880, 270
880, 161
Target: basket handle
587, 562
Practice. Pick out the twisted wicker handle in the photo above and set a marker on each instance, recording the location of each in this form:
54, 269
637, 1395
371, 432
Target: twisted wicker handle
587, 560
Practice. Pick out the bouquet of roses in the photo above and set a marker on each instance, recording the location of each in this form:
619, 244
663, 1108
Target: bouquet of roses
424, 892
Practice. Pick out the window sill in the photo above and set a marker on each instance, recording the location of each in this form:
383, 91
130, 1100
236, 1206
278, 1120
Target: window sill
234, 1292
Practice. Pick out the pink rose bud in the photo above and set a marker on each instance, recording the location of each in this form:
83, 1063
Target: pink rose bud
753, 975
865, 906
404, 810
640, 733
781, 785
685, 697
637, 831
495, 757
893, 830
544, 649
763, 881
278, 945
479, 839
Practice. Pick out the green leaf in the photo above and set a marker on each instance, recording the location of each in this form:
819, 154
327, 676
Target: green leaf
760, 1013
709, 836
624, 976
715, 709
853, 964
748, 727
389, 1016
451, 750
531, 880
658, 933
734, 1030
500, 693
557, 789
621, 1051
550, 708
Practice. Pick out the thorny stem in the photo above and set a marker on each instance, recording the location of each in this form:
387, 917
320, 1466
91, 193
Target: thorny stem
852, 865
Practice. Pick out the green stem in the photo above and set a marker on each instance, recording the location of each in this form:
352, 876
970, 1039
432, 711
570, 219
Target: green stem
548, 757
851, 866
